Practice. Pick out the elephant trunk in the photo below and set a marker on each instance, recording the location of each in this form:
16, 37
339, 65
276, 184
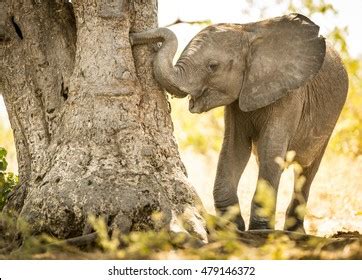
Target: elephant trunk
168, 75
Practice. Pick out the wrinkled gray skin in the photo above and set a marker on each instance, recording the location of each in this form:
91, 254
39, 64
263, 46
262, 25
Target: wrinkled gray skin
283, 89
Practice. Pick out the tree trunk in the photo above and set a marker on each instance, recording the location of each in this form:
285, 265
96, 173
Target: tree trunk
92, 127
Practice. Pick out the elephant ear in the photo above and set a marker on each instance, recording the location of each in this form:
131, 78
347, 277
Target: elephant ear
285, 52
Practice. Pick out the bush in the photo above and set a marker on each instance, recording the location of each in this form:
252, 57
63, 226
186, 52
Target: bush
7, 179
201, 133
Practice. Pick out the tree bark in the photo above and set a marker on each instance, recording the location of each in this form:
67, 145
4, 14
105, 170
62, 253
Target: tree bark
92, 127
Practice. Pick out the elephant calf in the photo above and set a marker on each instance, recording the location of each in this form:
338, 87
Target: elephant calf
283, 89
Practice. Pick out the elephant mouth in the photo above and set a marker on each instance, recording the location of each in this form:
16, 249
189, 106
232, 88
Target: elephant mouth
191, 102
194, 101
193, 108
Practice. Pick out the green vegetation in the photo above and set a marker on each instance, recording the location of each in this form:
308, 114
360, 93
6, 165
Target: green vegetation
224, 243
7, 141
200, 133
7, 179
347, 139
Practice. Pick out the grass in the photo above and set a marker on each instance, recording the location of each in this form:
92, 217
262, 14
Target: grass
224, 243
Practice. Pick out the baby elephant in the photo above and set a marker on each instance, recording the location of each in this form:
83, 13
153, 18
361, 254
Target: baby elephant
283, 89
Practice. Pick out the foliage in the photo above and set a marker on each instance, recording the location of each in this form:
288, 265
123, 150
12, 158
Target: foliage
348, 134
310, 7
7, 138
201, 133
225, 242
7, 179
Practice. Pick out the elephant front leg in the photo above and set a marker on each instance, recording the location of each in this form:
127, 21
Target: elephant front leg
263, 207
230, 168
234, 156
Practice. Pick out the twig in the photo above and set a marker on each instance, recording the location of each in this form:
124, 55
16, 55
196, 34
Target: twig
77, 241
178, 21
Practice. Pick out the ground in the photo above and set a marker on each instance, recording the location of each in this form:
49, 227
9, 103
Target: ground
335, 199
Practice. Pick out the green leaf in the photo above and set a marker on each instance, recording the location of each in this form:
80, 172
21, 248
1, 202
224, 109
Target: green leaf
7, 179
3, 153
3, 164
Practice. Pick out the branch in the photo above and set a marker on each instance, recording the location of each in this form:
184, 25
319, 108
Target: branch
77, 241
200, 22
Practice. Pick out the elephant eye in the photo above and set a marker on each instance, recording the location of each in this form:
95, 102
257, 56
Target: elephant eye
212, 66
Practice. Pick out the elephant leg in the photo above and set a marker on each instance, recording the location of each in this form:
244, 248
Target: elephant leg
296, 211
263, 206
234, 156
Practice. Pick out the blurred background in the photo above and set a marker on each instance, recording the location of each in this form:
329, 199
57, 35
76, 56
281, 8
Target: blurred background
335, 202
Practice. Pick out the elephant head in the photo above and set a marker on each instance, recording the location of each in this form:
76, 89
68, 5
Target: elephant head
257, 63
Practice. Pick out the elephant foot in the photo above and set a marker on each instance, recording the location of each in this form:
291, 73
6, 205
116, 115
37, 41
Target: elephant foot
297, 226
239, 222
257, 224
232, 214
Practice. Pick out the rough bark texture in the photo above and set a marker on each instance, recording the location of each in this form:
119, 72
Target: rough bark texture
93, 130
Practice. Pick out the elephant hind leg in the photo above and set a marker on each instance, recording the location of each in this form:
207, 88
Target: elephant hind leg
294, 219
